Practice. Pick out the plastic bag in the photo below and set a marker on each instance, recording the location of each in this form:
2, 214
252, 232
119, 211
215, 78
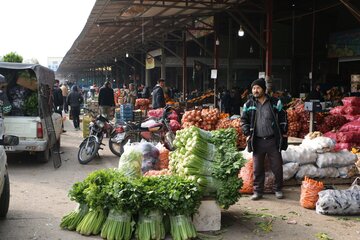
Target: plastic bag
340, 202
150, 155
309, 192
130, 162
336, 159
289, 170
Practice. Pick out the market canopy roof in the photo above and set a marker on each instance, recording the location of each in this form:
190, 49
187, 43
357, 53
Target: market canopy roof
116, 27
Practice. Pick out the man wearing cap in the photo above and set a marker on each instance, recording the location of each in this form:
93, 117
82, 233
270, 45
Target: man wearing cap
264, 122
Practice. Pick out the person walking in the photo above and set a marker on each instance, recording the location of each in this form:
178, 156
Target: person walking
158, 97
264, 122
106, 100
58, 101
65, 93
75, 99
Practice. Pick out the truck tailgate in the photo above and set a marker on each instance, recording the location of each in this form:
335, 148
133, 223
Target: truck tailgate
21, 126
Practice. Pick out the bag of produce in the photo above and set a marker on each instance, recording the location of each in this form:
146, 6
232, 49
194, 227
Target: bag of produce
336, 159
351, 101
130, 162
247, 175
309, 192
340, 202
349, 137
351, 126
318, 144
307, 170
289, 170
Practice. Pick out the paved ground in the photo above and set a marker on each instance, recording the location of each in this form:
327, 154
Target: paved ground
39, 200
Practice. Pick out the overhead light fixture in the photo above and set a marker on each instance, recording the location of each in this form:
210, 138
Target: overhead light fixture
241, 31
217, 42
251, 50
115, 59
127, 55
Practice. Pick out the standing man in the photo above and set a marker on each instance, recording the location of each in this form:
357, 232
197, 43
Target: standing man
132, 94
75, 99
264, 122
106, 100
58, 101
158, 97
65, 93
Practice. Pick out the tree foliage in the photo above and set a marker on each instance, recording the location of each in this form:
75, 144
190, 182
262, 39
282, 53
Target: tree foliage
12, 57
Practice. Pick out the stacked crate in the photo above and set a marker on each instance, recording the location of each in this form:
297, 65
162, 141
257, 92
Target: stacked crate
126, 113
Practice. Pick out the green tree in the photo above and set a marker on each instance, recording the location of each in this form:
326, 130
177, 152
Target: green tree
13, 57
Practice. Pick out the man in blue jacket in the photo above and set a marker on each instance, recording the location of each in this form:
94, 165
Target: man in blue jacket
264, 122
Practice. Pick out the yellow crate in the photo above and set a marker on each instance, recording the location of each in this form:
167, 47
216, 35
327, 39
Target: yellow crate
85, 125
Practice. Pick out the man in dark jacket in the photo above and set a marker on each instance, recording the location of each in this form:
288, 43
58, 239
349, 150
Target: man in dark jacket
106, 100
264, 122
158, 97
74, 100
57, 98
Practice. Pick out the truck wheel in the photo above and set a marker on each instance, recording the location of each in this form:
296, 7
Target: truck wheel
43, 157
5, 197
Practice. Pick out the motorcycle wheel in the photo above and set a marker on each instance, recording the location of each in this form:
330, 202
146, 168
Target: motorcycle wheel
118, 148
86, 154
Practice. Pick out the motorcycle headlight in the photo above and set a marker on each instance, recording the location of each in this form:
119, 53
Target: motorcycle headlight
100, 123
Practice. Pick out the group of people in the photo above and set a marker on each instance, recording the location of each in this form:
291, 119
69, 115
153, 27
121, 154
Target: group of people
62, 99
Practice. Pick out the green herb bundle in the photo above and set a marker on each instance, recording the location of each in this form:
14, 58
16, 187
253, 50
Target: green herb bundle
72, 219
96, 197
123, 200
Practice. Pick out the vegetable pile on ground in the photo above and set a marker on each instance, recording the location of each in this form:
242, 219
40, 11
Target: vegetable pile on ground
212, 160
118, 204
205, 119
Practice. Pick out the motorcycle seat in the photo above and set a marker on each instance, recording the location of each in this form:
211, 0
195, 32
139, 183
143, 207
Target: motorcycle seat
155, 127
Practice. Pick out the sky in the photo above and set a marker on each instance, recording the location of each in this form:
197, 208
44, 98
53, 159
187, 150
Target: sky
41, 28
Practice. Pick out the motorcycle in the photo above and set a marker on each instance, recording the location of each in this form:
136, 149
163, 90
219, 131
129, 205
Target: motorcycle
154, 130
98, 127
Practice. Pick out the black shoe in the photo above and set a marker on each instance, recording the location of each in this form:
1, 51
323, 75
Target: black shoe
64, 131
256, 196
279, 194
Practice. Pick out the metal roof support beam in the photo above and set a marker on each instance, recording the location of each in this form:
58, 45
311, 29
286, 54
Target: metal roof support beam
171, 51
253, 35
137, 60
200, 44
355, 12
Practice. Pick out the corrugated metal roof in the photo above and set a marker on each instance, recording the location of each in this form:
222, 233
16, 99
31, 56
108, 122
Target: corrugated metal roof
115, 27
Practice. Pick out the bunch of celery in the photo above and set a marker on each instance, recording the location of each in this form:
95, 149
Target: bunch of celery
194, 156
182, 227
71, 220
123, 200
96, 196
150, 225
184, 197
118, 226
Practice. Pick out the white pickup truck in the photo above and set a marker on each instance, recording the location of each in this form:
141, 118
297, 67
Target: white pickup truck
31, 118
